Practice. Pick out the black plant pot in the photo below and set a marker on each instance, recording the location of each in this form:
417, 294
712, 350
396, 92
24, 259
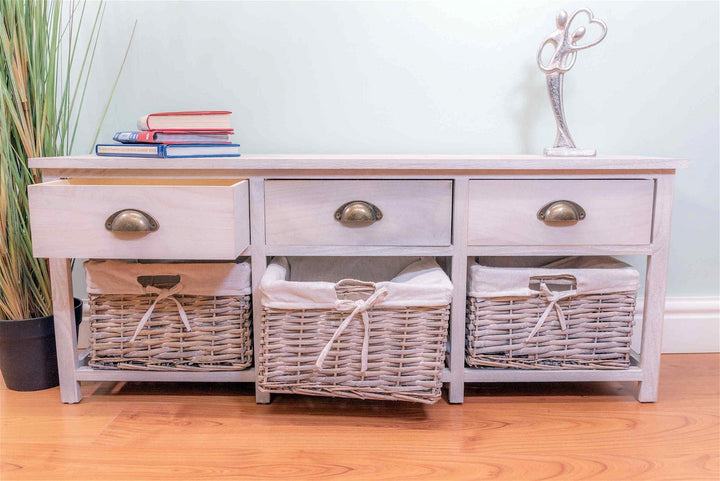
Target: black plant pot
28, 359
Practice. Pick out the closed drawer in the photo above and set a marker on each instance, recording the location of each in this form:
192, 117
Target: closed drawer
411, 212
195, 218
505, 212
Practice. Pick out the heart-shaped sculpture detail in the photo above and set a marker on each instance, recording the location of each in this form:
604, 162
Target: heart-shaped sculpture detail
591, 20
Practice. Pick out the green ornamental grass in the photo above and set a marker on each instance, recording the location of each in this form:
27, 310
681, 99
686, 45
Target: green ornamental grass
46, 55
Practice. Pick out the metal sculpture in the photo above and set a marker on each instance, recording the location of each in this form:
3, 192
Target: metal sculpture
562, 60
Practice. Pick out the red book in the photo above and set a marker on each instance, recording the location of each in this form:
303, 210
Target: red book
174, 136
190, 120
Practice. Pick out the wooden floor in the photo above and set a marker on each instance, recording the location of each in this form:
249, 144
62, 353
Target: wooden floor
134, 431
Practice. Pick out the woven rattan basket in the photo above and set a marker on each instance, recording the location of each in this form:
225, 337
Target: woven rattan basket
521, 326
155, 325
326, 350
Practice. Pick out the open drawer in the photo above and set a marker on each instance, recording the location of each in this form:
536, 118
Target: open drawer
140, 218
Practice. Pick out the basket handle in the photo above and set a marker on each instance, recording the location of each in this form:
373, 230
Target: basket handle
353, 283
536, 282
166, 281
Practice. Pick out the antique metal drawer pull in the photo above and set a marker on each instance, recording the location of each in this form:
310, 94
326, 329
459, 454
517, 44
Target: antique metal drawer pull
561, 212
358, 213
131, 220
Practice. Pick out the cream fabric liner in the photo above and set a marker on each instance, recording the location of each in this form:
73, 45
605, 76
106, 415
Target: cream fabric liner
201, 279
332, 269
593, 275
422, 283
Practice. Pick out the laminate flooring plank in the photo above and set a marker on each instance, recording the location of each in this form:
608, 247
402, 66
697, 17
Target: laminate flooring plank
566, 431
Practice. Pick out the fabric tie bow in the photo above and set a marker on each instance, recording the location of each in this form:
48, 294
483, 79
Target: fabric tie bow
162, 294
553, 298
358, 307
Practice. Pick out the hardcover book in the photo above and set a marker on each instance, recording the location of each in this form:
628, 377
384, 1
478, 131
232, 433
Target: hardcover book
174, 136
168, 150
199, 119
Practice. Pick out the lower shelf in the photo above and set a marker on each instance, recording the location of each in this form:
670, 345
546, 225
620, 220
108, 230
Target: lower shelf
86, 373
89, 374
469, 375
633, 373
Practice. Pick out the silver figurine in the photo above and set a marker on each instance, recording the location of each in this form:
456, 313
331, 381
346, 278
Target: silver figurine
562, 60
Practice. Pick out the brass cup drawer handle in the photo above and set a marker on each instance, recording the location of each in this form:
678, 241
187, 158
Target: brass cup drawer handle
358, 213
561, 212
131, 220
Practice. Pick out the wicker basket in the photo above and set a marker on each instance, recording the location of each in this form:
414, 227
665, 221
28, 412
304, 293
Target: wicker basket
355, 339
169, 317
575, 313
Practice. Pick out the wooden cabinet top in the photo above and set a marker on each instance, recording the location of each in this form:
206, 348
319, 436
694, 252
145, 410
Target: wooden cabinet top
369, 163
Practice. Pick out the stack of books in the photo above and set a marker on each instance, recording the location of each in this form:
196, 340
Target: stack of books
176, 134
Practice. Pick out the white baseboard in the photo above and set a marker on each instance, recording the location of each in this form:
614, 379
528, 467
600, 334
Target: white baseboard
692, 324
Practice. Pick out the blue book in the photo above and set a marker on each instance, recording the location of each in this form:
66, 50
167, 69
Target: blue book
168, 150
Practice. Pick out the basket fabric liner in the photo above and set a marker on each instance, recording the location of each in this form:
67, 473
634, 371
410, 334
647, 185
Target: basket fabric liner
196, 279
331, 269
593, 275
422, 283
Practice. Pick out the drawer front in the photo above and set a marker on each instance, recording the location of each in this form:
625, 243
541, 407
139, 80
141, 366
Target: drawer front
412, 212
196, 219
505, 212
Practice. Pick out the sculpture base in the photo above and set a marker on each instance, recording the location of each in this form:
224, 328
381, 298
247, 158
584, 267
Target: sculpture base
568, 152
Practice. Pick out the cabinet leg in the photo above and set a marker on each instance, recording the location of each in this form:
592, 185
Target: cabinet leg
655, 284
259, 263
651, 345
459, 279
456, 392
262, 397
65, 330
647, 391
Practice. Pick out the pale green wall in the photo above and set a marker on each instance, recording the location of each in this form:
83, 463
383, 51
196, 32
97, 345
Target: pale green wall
433, 77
